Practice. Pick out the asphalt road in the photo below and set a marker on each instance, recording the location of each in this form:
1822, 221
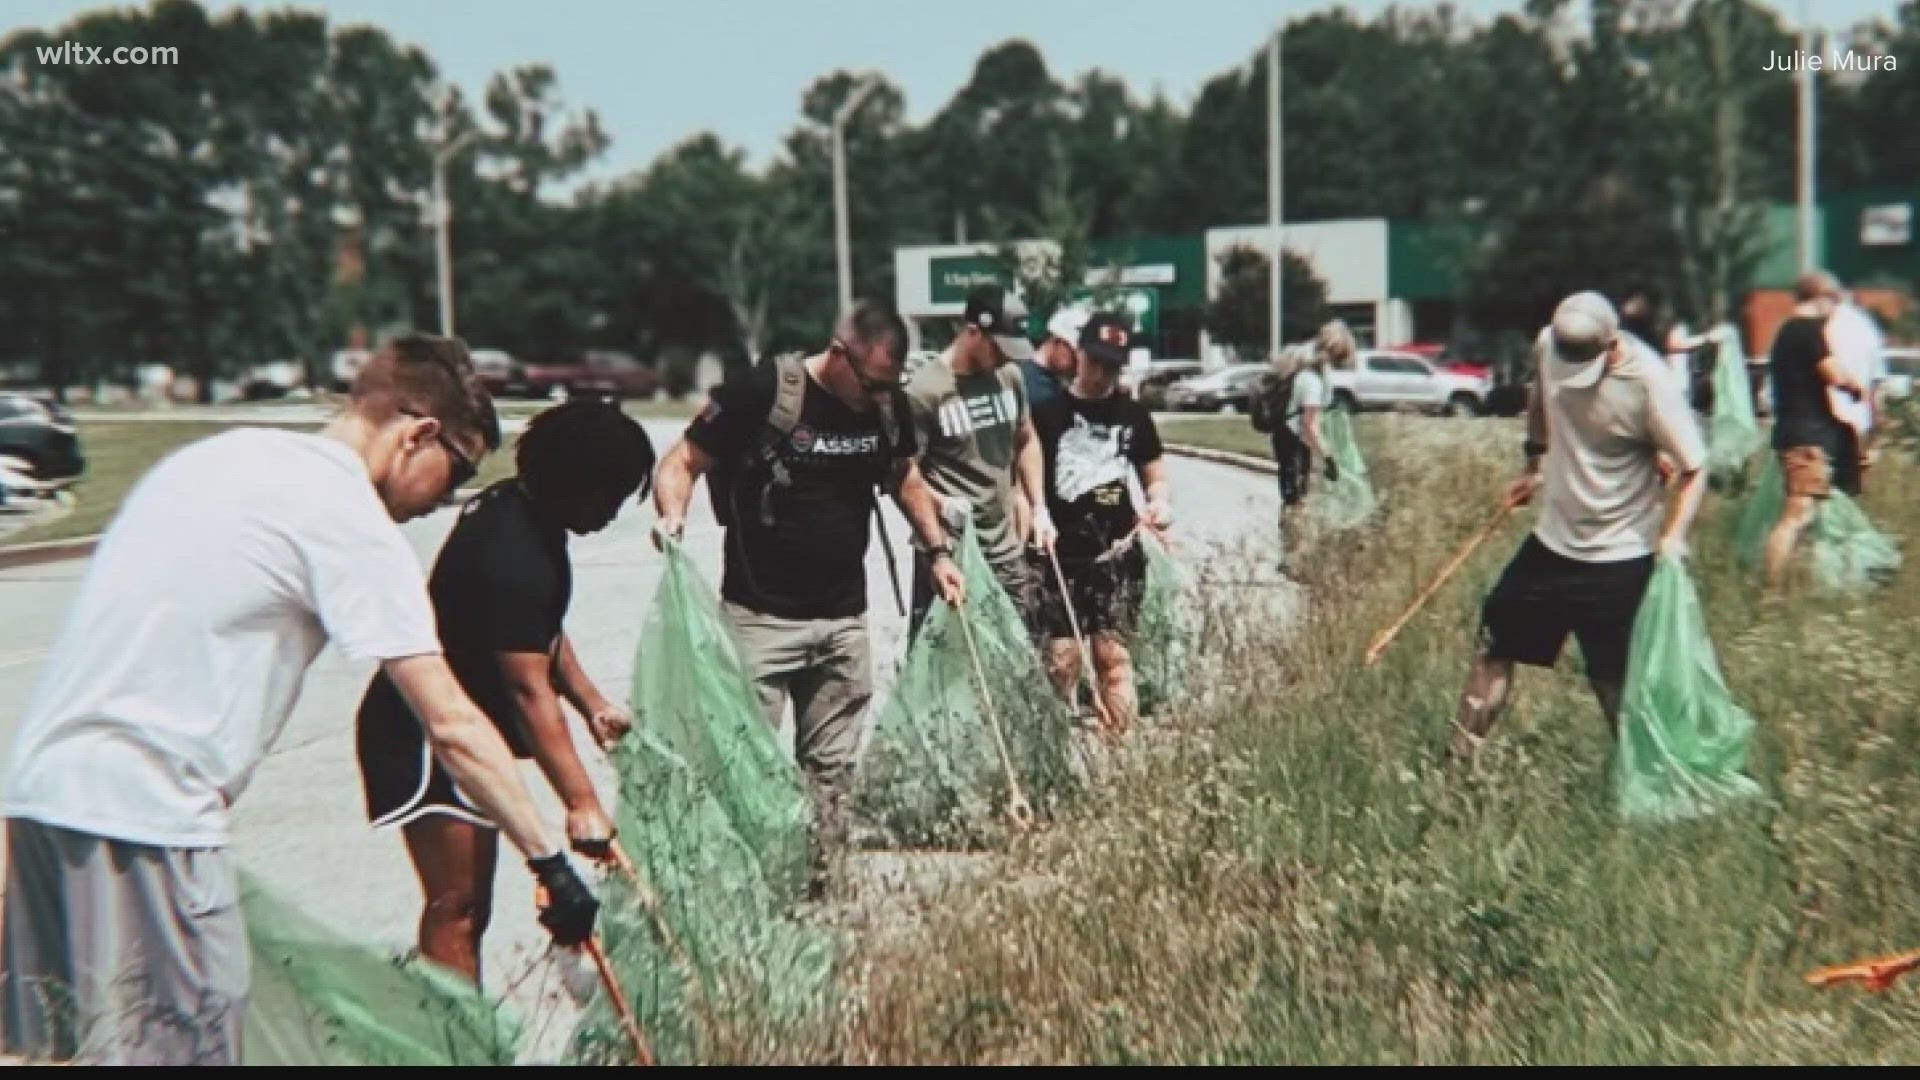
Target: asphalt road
301, 826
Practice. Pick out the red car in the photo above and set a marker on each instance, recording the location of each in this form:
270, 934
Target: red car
1441, 355
602, 374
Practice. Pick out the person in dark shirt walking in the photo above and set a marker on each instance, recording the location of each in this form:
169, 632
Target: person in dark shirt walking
1094, 439
1811, 441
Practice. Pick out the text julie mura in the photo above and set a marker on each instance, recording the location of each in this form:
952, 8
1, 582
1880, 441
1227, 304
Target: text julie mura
1849, 60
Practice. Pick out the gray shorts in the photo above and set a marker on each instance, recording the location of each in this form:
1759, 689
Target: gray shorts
118, 953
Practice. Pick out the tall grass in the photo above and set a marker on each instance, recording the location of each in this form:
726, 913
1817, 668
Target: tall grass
1285, 870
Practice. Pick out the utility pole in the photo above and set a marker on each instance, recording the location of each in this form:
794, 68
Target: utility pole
443, 210
1275, 336
842, 245
1807, 149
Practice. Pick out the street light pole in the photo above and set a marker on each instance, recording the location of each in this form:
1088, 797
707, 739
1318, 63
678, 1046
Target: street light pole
1277, 263
1806, 146
443, 213
841, 243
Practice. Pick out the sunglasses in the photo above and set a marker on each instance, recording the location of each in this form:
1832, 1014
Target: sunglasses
855, 360
462, 468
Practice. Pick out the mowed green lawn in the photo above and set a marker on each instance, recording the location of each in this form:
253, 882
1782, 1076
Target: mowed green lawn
1220, 432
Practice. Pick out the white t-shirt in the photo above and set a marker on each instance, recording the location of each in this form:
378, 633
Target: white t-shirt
229, 567
1855, 340
1680, 358
1601, 496
1310, 391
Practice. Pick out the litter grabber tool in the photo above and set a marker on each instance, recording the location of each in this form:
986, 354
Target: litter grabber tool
1386, 636
1875, 975
1080, 642
597, 953
1019, 811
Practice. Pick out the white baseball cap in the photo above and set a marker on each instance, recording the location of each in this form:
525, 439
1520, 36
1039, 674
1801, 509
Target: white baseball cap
1583, 326
1066, 324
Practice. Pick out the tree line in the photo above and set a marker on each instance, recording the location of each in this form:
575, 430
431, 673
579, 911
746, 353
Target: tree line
271, 196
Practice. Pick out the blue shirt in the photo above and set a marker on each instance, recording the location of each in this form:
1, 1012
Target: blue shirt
1042, 386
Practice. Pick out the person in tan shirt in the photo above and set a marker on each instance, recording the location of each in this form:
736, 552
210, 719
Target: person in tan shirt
1604, 411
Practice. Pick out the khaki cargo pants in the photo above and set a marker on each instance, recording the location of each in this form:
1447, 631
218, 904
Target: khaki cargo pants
825, 666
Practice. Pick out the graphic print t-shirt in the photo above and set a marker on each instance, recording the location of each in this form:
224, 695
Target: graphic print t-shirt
967, 427
811, 562
1092, 447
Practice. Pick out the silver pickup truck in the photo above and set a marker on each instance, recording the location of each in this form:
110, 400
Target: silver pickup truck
1382, 379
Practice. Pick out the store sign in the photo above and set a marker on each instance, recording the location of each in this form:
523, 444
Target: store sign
1886, 226
956, 275
1150, 274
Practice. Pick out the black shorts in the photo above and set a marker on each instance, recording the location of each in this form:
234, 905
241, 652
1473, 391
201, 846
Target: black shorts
1106, 596
1018, 582
1847, 473
1543, 596
399, 775
1295, 459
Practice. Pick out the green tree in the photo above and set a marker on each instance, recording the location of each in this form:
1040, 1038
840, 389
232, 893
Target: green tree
1240, 315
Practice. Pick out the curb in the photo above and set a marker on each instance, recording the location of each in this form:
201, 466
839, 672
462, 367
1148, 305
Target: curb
47, 551
81, 547
1225, 457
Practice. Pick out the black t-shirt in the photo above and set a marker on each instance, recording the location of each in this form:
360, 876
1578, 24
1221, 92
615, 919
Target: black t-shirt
1801, 413
1092, 445
502, 583
811, 562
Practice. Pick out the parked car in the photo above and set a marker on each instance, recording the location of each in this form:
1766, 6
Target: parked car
499, 372
41, 436
1151, 388
1230, 389
600, 373
346, 365
1385, 379
1903, 364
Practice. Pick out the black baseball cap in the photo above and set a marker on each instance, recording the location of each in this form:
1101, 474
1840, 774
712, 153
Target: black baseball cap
1106, 338
994, 310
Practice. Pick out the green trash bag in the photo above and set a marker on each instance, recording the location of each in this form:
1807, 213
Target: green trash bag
1162, 644
692, 687
318, 999
1849, 554
701, 943
932, 774
1682, 750
1349, 501
1759, 511
1733, 433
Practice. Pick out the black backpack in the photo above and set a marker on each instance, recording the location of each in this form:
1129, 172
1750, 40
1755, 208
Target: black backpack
751, 481
1272, 399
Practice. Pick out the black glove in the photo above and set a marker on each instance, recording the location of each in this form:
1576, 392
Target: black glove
570, 908
1332, 471
599, 849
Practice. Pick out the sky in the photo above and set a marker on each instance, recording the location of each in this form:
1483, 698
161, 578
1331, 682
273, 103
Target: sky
660, 71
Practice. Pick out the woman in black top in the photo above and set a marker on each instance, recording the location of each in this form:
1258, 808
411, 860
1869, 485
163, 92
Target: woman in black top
500, 590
